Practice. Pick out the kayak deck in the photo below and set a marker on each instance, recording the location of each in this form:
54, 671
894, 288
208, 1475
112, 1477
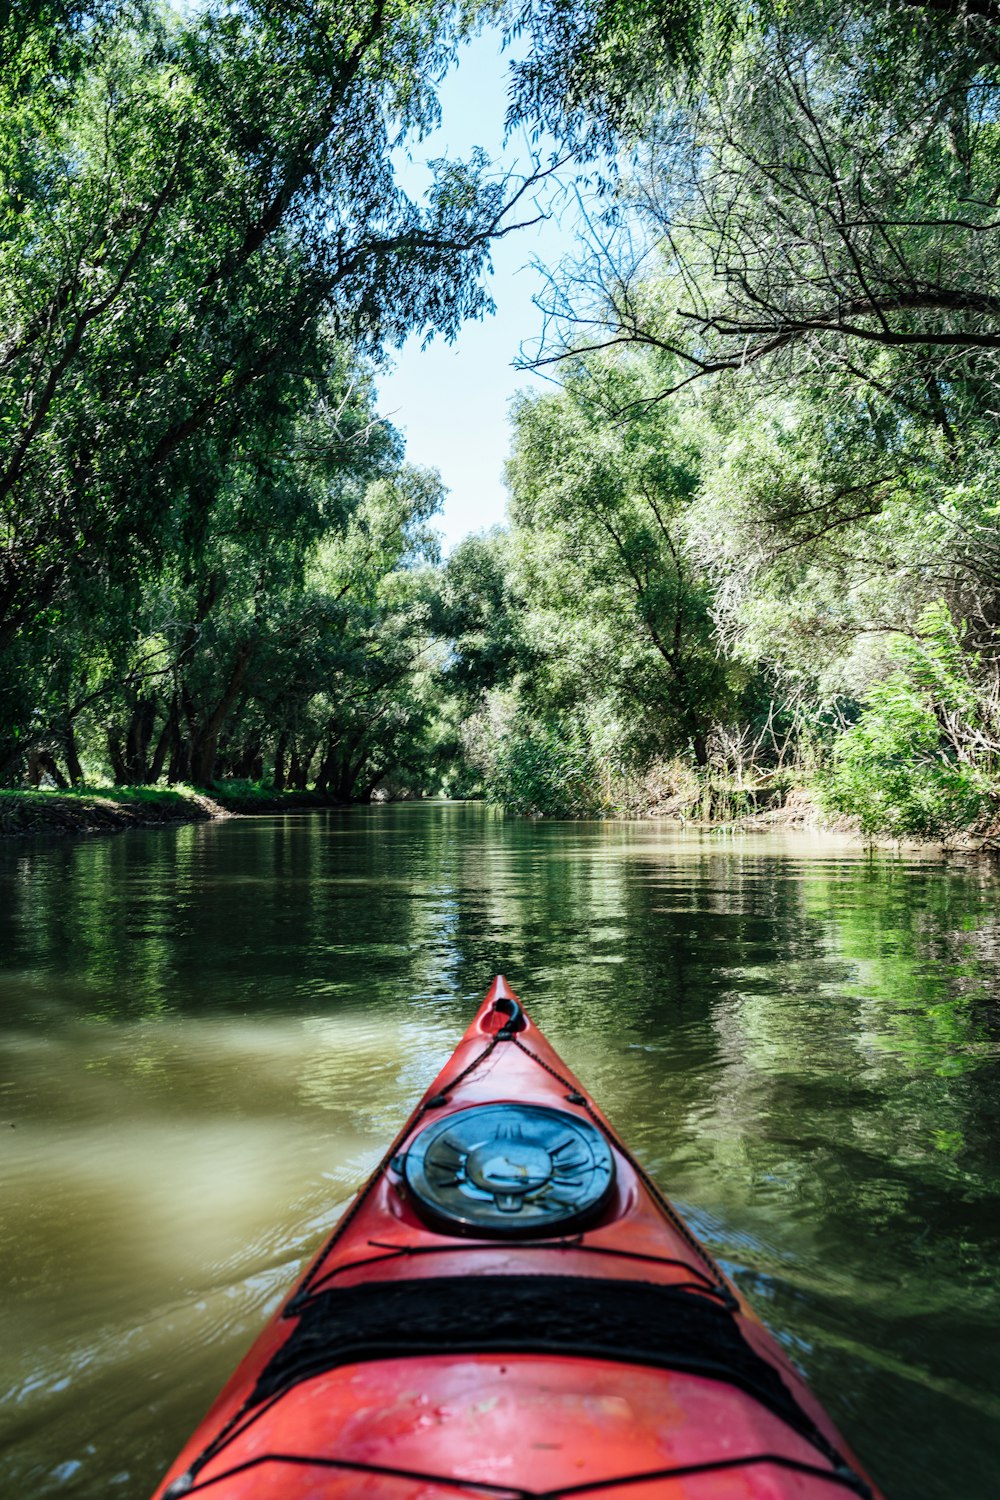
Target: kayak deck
511, 1308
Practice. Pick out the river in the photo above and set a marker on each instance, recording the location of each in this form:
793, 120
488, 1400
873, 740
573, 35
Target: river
209, 1034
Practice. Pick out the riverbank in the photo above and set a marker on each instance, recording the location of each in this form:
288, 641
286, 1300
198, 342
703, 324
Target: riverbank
115, 809
786, 800
720, 807
91, 810
743, 810
674, 789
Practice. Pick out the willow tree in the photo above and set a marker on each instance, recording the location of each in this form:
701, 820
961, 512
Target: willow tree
189, 201
621, 608
804, 235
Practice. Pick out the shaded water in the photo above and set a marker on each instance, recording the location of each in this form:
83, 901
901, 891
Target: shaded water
208, 1035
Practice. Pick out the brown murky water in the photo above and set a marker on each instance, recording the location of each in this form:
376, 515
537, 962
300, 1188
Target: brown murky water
208, 1035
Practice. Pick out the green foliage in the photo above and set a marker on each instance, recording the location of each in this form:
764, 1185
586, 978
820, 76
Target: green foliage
901, 769
214, 562
597, 68
774, 448
546, 770
890, 772
478, 610
619, 611
202, 245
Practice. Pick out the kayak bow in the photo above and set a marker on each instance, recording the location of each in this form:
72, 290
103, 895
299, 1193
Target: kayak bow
511, 1308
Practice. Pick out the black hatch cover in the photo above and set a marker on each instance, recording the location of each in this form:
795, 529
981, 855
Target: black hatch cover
509, 1170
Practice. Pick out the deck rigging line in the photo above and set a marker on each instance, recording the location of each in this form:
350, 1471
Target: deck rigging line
842, 1476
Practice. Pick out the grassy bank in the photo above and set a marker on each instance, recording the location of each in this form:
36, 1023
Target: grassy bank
87, 810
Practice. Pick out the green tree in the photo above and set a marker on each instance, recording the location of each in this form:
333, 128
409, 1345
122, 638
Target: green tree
479, 612
803, 236
621, 609
190, 201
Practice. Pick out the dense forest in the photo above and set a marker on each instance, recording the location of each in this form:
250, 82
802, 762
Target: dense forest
754, 530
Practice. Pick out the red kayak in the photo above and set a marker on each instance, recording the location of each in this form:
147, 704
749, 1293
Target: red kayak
510, 1308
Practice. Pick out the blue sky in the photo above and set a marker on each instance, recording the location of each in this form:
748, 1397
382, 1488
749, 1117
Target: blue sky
450, 400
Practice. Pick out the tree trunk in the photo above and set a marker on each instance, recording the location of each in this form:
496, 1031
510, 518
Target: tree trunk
304, 764
279, 761
325, 769
168, 737
137, 738
247, 765
180, 755
50, 766
43, 763
206, 747
72, 755
116, 758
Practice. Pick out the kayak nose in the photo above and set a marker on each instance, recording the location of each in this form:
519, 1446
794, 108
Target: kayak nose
512, 1268
500, 1013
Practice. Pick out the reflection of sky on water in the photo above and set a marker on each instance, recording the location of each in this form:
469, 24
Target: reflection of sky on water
210, 1034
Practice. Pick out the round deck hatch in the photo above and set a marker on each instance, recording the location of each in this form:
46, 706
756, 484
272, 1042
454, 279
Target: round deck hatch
509, 1170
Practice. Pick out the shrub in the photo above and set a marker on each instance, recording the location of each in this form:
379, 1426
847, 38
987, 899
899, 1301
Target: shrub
900, 770
546, 771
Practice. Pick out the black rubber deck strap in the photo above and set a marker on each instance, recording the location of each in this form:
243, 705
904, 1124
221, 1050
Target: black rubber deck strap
630, 1322
516, 1492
